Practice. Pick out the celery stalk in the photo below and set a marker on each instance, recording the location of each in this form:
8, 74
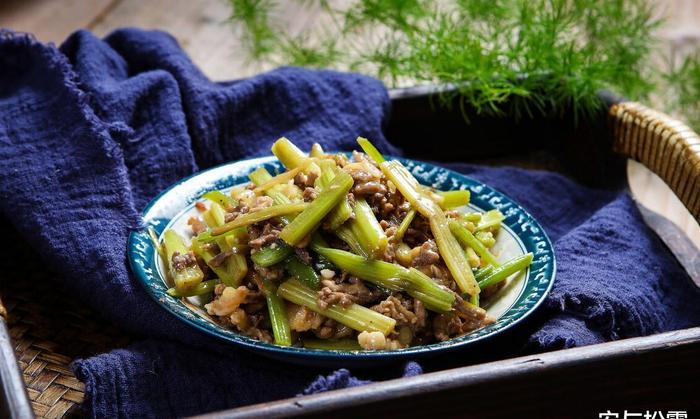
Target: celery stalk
468, 240
450, 250
204, 287
316, 150
355, 316
333, 344
311, 217
272, 254
220, 198
507, 269
288, 153
370, 150
278, 315
490, 220
367, 229
303, 272
346, 234
403, 227
453, 199
231, 272
188, 277
392, 277
261, 215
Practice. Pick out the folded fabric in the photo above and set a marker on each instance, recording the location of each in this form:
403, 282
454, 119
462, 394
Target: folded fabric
93, 131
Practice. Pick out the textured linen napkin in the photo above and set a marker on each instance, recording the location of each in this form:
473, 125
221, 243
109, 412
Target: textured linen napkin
90, 132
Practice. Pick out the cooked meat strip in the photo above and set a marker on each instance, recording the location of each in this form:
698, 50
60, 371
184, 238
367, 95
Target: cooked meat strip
249, 325
389, 254
420, 312
453, 214
181, 262
303, 255
261, 235
354, 288
492, 289
330, 329
309, 194
272, 273
361, 176
446, 326
305, 180
440, 274
369, 188
418, 232
254, 302
340, 160
427, 254
327, 297
400, 309
219, 259
197, 225
473, 317
468, 318
210, 247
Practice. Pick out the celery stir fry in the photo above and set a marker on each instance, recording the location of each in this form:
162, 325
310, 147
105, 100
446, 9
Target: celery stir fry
339, 253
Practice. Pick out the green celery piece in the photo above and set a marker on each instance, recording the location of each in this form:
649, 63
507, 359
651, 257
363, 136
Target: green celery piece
303, 272
507, 269
278, 315
370, 150
220, 198
261, 215
185, 279
312, 216
343, 211
355, 316
392, 277
231, 272
204, 287
483, 272
490, 220
346, 234
289, 154
467, 239
272, 254
367, 229
403, 227
450, 250
486, 238
453, 199
332, 344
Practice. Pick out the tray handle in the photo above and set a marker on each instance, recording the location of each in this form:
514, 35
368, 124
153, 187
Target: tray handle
667, 146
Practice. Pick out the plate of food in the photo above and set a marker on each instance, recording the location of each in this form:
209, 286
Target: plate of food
341, 256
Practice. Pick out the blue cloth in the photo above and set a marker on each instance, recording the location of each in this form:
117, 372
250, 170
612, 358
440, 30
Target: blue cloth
91, 132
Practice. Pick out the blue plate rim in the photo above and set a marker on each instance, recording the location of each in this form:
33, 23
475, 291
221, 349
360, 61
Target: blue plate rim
300, 352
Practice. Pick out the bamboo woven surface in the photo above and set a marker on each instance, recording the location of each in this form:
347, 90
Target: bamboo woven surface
49, 329
665, 145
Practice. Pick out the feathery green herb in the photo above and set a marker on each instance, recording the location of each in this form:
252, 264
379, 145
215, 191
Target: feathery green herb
511, 57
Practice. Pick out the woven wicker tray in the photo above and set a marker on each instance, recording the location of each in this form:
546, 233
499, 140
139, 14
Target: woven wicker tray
48, 328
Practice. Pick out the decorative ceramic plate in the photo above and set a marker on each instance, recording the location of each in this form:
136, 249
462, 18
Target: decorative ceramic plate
520, 233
